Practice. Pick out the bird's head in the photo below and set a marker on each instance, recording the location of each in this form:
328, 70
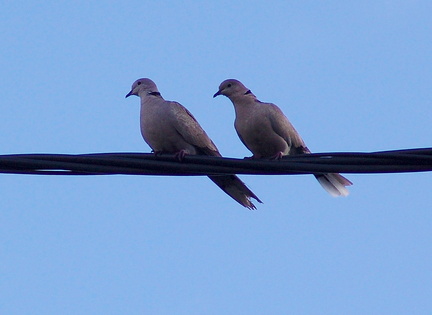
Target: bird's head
232, 88
141, 86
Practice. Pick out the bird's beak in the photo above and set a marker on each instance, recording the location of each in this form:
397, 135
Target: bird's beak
129, 94
217, 93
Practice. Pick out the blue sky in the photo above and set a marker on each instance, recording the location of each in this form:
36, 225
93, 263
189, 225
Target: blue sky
350, 75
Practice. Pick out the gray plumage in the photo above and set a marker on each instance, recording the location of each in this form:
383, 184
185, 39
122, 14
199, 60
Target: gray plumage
267, 132
168, 127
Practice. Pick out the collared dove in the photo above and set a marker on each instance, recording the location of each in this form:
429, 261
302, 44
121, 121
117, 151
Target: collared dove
267, 132
168, 127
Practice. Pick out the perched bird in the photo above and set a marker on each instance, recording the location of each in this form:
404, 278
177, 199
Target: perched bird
267, 132
168, 127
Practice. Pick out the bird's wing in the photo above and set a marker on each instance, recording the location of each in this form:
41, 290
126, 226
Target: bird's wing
191, 131
283, 127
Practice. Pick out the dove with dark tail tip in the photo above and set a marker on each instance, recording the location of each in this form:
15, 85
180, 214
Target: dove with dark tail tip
168, 127
267, 132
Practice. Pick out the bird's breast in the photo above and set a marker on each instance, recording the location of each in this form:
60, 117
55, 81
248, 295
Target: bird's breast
158, 130
260, 138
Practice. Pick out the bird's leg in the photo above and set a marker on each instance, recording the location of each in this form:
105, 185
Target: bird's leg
180, 155
277, 156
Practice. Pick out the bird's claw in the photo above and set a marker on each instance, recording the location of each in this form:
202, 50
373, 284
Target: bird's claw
277, 156
180, 155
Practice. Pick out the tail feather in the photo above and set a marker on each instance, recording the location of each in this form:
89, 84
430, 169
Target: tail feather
334, 184
234, 187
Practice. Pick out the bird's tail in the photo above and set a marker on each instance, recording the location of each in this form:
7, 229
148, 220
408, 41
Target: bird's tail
334, 184
233, 186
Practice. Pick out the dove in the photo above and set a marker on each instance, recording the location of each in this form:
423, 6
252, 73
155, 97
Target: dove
268, 134
168, 127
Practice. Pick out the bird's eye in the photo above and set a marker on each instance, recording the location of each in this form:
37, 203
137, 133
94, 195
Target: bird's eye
229, 85
139, 82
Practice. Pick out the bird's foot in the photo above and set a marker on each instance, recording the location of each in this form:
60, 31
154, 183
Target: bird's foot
180, 155
156, 153
277, 156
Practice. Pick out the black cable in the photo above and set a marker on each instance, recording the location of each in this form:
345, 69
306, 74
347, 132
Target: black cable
397, 161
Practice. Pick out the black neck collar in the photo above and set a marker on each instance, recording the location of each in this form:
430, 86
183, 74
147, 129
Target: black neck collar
154, 93
248, 92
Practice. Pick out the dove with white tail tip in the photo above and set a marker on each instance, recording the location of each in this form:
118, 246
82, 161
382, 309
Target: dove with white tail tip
267, 132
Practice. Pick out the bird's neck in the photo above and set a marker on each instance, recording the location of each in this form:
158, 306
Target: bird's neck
154, 93
148, 96
244, 104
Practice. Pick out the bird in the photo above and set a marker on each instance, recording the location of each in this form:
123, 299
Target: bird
168, 127
268, 134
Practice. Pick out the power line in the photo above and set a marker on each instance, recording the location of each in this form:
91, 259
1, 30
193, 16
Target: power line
396, 161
